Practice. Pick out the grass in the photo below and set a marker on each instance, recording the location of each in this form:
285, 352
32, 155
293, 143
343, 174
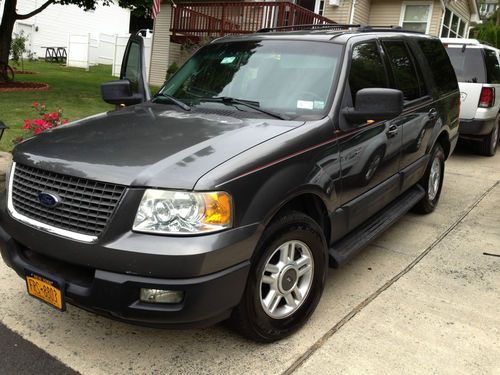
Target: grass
75, 90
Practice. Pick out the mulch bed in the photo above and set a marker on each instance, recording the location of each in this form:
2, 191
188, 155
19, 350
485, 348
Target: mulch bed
23, 86
24, 71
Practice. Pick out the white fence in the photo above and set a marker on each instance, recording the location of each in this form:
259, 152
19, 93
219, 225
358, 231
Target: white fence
84, 50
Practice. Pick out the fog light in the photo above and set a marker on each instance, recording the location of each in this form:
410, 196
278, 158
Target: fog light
161, 296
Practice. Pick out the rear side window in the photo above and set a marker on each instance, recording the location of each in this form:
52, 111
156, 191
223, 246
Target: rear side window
367, 68
405, 74
439, 63
468, 64
492, 66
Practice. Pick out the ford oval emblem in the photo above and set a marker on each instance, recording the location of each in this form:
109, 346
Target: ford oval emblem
48, 199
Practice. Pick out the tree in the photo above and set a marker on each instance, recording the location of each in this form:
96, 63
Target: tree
10, 16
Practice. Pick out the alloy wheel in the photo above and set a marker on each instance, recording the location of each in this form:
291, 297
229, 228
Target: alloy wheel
286, 280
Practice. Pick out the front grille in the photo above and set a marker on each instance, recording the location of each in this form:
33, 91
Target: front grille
85, 206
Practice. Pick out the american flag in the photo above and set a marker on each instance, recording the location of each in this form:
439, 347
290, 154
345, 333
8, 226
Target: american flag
155, 9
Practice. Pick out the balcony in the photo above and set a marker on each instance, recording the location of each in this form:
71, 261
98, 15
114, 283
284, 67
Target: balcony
195, 21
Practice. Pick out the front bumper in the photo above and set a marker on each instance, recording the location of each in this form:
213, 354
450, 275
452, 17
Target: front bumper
106, 277
476, 128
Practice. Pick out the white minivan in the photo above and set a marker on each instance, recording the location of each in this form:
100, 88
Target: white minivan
477, 68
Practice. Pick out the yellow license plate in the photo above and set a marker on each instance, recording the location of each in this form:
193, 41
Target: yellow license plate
45, 290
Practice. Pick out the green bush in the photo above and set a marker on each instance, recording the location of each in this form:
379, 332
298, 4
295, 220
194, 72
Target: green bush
18, 48
171, 70
489, 33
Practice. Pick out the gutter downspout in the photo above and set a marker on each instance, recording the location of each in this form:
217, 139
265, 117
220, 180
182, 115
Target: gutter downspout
353, 9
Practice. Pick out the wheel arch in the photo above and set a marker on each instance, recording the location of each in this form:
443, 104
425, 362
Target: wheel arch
444, 140
309, 203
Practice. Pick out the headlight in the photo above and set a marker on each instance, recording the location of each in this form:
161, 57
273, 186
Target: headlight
180, 212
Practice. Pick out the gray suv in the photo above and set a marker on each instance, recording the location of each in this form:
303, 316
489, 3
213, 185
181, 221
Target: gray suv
264, 160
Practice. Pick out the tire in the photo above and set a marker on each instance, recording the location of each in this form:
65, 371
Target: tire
429, 182
488, 146
258, 316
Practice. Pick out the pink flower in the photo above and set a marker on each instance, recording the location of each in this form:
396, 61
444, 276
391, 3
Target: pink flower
47, 116
35, 104
27, 124
38, 131
54, 115
38, 122
65, 121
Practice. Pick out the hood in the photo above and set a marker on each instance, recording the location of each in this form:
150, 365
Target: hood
153, 145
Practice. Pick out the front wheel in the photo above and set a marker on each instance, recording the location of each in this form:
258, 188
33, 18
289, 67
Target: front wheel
286, 279
432, 181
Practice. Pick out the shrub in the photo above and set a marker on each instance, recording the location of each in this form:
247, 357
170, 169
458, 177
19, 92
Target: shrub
18, 48
46, 120
171, 70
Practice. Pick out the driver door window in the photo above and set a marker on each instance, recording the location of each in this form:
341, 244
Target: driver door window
133, 66
367, 68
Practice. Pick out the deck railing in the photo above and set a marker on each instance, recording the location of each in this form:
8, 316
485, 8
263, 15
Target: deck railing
197, 20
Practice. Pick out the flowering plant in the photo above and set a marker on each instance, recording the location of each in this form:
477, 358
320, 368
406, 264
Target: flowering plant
46, 120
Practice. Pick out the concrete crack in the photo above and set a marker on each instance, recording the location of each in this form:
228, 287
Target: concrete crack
323, 339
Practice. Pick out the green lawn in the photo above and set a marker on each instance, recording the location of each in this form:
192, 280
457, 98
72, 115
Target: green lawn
75, 90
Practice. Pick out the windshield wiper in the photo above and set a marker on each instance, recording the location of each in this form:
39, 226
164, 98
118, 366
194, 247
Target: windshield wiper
247, 103
176, 101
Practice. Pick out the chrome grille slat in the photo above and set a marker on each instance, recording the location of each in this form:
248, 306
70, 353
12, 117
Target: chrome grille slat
86, 205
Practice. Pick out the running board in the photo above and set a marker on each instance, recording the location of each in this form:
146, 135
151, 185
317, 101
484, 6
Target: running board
351, 244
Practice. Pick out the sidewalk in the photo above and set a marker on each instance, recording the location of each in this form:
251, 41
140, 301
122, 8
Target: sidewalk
442, 317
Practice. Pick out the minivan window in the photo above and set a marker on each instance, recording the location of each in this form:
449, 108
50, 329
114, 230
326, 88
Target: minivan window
468, 63
492, 66
439, 64
405, 74
287, 77
367, 68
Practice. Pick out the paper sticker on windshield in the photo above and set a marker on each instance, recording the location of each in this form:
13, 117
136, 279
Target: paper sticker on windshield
305, 104
319, 104
228, 60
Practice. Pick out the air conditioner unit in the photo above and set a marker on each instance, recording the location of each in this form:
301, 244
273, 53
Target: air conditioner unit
334, 3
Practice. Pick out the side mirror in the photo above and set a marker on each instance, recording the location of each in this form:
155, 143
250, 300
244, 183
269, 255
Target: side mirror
120, 92
375, 104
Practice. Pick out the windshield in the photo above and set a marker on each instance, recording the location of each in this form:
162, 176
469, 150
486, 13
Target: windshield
468, 64
290, 78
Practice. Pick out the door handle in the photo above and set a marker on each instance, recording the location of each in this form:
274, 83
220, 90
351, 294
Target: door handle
433, 114
392, 131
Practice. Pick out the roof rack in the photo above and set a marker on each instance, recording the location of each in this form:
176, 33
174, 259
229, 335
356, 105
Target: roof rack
315, 26
336, 26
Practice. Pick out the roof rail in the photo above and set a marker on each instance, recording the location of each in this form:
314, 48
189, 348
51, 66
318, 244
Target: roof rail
337, 26
321, 26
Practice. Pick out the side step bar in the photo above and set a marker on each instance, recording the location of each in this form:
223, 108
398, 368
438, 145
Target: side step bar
351, 244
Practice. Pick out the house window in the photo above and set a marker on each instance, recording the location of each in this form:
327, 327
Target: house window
319, 7
416, 16
486, 9
453, 26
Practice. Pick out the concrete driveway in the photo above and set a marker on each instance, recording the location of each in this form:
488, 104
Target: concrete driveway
424, 298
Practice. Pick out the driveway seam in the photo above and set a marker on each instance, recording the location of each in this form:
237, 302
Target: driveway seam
323, 339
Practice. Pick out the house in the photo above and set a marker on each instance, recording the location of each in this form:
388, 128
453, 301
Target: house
53, 25
444, 18
487, 8
192, 21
